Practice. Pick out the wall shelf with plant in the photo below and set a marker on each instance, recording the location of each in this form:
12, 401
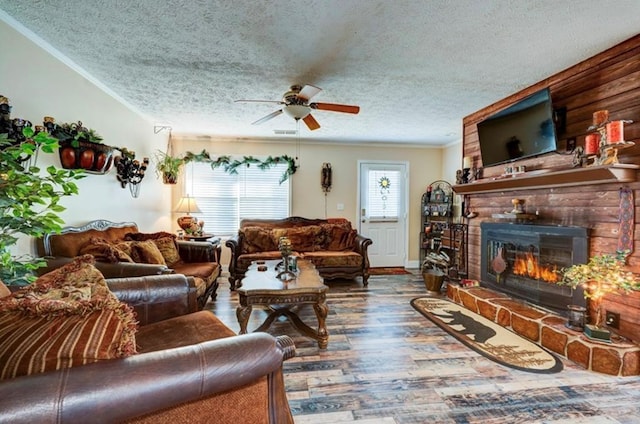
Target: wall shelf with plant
80, 147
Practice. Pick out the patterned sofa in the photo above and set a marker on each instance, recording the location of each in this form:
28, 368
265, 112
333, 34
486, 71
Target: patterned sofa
332, 245
122, 251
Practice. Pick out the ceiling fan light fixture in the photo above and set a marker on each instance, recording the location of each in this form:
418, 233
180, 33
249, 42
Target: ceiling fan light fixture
297, 111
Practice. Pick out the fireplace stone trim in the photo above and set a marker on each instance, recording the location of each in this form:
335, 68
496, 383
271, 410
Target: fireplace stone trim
619, 358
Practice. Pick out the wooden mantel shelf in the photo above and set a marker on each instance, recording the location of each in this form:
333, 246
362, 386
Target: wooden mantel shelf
618, 173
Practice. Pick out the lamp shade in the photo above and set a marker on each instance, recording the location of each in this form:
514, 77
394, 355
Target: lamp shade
187, 205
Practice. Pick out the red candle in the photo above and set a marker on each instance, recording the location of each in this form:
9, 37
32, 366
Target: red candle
600, 117
615, 132
591, 144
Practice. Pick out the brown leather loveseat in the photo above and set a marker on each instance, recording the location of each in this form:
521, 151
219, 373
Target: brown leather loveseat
332, 245
102, 238
189, 367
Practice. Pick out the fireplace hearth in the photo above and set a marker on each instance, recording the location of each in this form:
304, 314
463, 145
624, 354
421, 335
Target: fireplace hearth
524, 260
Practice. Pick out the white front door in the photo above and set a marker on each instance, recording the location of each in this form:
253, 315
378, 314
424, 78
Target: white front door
382, 212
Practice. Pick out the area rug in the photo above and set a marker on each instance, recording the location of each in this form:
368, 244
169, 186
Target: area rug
486, 337
388, 271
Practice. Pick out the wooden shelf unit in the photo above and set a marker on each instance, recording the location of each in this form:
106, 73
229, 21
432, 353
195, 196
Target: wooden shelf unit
620, 173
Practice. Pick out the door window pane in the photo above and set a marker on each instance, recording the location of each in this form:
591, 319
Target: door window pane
384, 195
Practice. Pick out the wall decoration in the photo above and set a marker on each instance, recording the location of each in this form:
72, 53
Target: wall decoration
325, 177
130, 171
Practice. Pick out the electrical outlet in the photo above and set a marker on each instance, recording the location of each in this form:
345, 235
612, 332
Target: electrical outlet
612, 319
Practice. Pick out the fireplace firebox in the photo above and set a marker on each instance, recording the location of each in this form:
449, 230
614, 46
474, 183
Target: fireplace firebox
524, 260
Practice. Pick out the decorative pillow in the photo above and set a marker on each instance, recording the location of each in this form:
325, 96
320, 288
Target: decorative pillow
65, 318
168, 250
303, 239
124, 246
257, 239
339, 237
103, 250
166, 243
146, 252
148, 236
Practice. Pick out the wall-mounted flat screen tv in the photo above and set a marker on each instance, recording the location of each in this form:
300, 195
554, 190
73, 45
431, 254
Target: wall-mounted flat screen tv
522, 130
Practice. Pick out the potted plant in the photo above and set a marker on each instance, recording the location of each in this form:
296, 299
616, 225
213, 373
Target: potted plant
168, 167
80, 147
29, 201
603, 274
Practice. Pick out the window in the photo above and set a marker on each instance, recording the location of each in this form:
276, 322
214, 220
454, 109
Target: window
225, 199
384, 194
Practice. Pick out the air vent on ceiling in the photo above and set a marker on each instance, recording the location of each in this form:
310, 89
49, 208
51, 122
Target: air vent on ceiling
285, 132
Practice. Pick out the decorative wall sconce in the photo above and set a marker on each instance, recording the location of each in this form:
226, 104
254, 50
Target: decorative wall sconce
130, 171
326, 177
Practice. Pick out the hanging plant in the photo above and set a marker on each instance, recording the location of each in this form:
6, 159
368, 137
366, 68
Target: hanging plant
231, 166
168, 167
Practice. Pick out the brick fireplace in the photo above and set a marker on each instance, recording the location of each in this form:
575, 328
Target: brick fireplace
523, 260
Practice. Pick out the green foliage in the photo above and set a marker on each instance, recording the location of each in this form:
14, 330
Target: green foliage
231, 166
29, 200
75, 132
603, 274
168, 165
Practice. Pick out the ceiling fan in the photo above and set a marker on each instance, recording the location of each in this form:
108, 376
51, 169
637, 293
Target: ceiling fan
296, 104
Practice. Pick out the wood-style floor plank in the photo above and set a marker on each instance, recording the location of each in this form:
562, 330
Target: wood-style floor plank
387, 364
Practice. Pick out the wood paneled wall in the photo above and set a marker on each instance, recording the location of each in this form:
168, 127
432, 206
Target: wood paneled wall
611, 81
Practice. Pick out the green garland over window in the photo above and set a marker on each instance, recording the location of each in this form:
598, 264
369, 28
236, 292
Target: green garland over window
231, 166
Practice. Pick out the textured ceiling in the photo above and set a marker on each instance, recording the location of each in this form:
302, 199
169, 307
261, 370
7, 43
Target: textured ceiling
415, 68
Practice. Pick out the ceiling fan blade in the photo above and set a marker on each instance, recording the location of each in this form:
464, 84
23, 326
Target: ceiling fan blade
308, 91
335, 107
311, 122
266, 118
259, 101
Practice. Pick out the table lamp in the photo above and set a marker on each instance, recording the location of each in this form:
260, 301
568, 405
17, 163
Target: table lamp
187, 205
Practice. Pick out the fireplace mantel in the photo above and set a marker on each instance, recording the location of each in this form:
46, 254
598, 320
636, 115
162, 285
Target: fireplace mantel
617, 173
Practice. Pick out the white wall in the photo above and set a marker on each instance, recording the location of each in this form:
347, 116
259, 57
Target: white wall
37, 85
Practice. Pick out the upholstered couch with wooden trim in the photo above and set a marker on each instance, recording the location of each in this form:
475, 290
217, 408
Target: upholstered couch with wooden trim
106, 240
332, 245
189, 367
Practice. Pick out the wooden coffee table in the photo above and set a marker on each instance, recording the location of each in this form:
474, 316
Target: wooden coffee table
266, 289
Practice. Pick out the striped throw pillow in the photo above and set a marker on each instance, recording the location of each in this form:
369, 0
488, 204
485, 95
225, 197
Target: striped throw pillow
66, 318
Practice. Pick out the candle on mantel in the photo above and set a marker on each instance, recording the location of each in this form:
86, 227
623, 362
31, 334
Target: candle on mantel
591, 144
615, 132
600, 117
466, 162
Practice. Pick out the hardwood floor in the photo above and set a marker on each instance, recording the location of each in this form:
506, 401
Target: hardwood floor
387, 364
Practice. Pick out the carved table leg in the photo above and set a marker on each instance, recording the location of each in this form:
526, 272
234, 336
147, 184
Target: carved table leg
243, 313
322, 310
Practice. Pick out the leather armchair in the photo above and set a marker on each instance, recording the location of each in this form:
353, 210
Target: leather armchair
190, 368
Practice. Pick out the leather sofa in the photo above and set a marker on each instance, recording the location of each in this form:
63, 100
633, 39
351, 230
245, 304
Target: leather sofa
196, 259
190, 367
332, 245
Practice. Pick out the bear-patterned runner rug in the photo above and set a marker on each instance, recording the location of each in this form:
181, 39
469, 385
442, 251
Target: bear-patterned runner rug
486, 337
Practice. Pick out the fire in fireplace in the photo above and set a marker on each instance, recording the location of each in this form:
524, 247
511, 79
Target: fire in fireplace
524, 260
